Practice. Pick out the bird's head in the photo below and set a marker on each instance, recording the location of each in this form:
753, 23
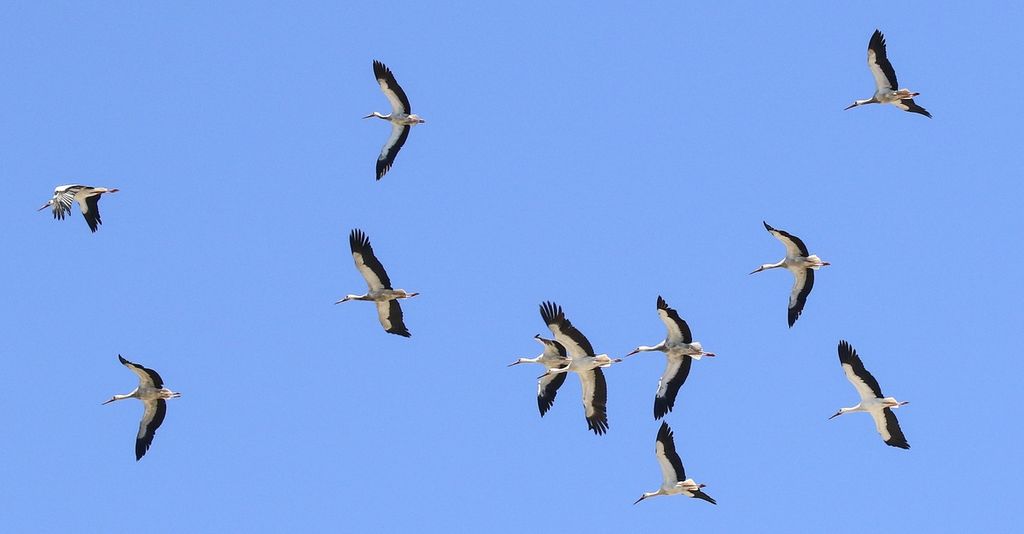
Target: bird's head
642, 497
837, 414
517, 362
346, 299
108, 401
416, 118
759, 269
853, 105
634, 351
47, 205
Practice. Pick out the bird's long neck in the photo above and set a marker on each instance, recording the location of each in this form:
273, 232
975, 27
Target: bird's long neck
131, 395
645, 348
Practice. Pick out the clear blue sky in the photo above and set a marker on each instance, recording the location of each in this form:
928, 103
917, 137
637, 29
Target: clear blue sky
590, 154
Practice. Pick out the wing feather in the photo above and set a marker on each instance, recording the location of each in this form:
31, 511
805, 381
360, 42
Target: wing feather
366, 262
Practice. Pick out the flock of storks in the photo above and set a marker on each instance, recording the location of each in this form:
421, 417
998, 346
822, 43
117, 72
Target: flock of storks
569, 351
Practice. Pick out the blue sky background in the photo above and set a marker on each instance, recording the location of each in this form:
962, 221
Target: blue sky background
595, 155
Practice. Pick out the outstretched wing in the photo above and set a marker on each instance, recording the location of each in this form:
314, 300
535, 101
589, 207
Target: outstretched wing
366, 262
574, 341
878, 62
393, 91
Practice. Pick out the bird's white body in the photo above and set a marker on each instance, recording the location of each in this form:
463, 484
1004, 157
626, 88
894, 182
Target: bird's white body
674, 481
379, 295
887, 89
88, 198
378, 284
153, 396
402, 118
676, 349
680, 350
871, 399
584, 363
553, 357
799, 262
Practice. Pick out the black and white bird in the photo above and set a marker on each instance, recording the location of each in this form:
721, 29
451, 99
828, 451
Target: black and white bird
801, 264
871, 399
154, 395
402, 118
553, 357
381, 292
674, 477
680, 350
88, 198
584, 363
887, 89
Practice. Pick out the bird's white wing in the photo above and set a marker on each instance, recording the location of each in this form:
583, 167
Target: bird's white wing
908, 104
394, 92
803, 281
152, 418
677, 328
391, 318
889, 428
676, 371
665, 450
90, 206
568, 335
795, 246
366, 262
547, 388
399, 133
63, 196
863, 381
595, 400
878, 62
148, 378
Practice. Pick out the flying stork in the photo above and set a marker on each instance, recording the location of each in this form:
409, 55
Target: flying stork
88, 198
801, 264
153, 394
886, 87
680, 350
401, 117
871, 399
381, 292
584, 363
675, 481
553, 357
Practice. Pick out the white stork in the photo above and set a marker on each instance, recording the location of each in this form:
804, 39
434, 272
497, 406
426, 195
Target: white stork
88, 198
553, 357
388, 310
801, 264
680, 350
871, 399
886, 87
675, 481
153, 394
584, 363
401, 117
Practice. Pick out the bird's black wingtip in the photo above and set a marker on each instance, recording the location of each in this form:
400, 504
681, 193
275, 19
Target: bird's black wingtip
664, 432
598, 424
550, 312
397, 332
661, 408
767, 226
898, 444
661, 303
121, 359
704, 497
